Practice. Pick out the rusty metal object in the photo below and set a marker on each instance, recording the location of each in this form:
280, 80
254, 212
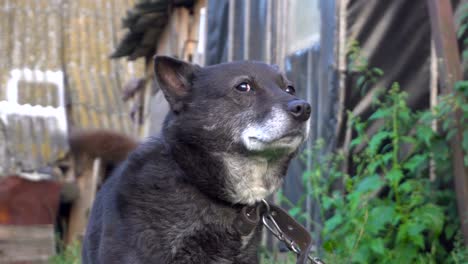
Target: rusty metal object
25, 202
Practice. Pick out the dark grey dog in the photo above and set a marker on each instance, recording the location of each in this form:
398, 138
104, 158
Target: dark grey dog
232, 130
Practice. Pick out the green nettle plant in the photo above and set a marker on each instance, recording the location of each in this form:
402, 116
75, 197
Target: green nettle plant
70, 254
389, 210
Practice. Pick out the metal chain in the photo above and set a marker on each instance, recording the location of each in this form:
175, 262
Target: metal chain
270, 223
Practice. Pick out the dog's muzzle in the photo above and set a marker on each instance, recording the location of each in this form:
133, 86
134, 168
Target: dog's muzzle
282, 129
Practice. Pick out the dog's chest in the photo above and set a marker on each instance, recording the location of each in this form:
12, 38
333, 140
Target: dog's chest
246, 167
245, 240
250, 179
213, 237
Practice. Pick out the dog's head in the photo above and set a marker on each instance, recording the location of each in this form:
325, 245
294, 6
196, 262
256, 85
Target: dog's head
245, 112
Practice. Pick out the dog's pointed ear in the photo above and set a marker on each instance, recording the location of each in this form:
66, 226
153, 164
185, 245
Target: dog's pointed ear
175, 79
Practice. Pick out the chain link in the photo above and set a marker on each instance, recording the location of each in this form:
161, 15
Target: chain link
270, 223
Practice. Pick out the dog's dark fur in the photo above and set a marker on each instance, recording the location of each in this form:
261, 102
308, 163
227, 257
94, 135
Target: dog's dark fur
175, 199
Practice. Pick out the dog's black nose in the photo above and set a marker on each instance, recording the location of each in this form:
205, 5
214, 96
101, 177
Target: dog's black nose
300, 109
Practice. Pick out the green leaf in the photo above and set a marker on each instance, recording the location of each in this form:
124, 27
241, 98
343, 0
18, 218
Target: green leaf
461, 30
294, 211
360, 81
379, 217
441, 148
329, 245
405, 253
408, 230
450, 230
409, 186
374, 166
425, 133
431, 216
418, 240
377, 71
465, 108
415, 162
349, 184
415, 234
416, 200
327, 202
465, 141
377, 140
450, 134
461, 86
426, 117
371, 183
465, 55
306, 176
361, 255
303, 217
381, 113
355, 142
387, 157
354, 201
377, 246
333, 222
462, 17
394, 175
446, 124
404, 116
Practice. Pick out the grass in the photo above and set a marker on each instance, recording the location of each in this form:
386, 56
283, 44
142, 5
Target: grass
70, 254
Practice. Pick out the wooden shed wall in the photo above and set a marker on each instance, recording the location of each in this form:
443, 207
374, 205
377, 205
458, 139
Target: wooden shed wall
71, 39
75, 37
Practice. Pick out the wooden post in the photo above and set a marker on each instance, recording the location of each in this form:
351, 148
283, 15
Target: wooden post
434, 92
87, 184
445, 40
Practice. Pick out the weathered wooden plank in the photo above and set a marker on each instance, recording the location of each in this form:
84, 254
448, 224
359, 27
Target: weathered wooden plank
87, 184
26, 244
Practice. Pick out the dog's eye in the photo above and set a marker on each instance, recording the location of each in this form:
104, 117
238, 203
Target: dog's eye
244, 87
290, 90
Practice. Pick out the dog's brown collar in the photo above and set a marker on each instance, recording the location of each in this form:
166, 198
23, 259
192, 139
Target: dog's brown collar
282, 226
